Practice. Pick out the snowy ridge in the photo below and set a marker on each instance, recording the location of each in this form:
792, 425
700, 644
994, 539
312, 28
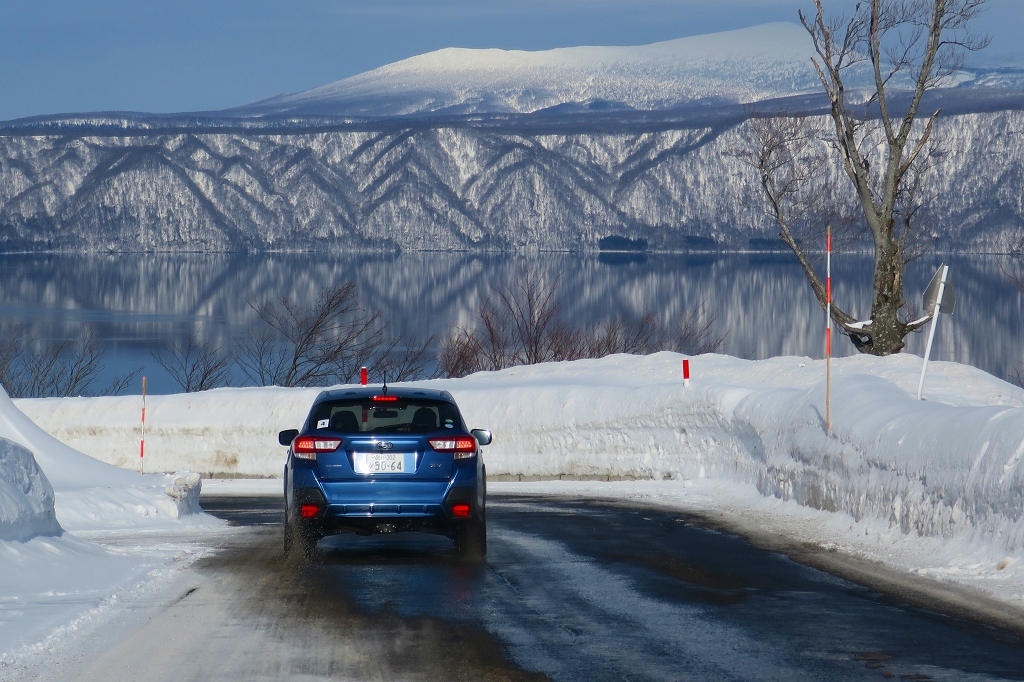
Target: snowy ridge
446, 188
745, 65
483, 150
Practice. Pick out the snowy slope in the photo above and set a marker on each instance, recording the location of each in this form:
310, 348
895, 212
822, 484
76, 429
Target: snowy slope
744, 65
448, 188
26, 497
465, 149
86, 494
50, 581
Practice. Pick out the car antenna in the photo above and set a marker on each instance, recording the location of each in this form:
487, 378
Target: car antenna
384, 389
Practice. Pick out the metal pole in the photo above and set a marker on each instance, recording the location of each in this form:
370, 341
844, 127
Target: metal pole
828, 330
931, 332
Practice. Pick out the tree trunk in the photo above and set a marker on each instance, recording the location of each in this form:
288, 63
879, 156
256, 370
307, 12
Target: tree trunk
887, 329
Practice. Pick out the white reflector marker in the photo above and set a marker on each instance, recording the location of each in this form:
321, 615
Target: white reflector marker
938, 298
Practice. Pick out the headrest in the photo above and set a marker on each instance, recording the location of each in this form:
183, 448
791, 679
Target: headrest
425, 417
345, 422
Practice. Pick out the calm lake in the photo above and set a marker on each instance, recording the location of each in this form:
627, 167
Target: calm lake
141, 302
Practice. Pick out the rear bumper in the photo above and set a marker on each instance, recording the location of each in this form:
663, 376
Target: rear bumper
378, 505
356, 496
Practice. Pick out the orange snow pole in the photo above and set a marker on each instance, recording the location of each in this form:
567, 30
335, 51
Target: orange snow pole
828, 330
142, 443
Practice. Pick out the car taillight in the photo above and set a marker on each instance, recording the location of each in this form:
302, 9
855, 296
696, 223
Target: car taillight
463, 446
308, 511
460, 510
306, 447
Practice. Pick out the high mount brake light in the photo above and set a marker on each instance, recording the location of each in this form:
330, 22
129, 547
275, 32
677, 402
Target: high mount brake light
463, 446
384, 398
306, 447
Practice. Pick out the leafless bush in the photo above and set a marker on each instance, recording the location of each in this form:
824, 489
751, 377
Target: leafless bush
520, 324
32, 368
401, 359
324, 343
195, 365
693, 334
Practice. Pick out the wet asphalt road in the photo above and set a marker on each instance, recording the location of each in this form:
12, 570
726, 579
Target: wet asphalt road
576, 590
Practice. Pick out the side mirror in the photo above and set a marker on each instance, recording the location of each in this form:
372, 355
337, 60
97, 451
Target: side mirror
482, 436
286, 437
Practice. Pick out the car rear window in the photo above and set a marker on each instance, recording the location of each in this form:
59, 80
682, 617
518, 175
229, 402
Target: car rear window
404, 415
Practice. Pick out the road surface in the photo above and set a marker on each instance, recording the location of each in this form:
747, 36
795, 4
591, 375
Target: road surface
571, 590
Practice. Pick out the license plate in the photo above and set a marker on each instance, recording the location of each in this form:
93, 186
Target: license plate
380, 463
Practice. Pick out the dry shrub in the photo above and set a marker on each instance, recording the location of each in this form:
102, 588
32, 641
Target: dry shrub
520, 324
326, 342
32, 367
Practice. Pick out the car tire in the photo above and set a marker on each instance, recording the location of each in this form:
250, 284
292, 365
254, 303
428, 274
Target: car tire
471, 540
298, 545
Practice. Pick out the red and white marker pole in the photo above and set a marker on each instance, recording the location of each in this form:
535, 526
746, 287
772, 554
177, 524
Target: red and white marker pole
828, 330
686, 373
362, 376
142, 443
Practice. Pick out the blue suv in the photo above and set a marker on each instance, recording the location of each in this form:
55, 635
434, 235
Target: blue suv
384, 461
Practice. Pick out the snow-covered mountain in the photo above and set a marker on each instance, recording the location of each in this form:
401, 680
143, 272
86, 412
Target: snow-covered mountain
753, 64
481, 149
746, 65
445, 188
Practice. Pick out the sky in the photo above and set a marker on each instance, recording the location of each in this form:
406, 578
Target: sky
62, 56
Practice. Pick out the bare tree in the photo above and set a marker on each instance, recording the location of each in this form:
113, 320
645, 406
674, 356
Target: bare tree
31, 367
521, 324
400, 359
326, 342
195, 365
532, 314
886, 151
459, 354
693, 333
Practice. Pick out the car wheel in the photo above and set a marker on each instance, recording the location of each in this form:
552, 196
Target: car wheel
298, 545
471, 541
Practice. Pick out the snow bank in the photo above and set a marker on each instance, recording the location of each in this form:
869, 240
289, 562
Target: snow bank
86, 494
945, 466
26, 497
52, 582
226, 430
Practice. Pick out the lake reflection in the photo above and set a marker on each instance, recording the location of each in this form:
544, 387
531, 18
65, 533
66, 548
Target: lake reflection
139, 303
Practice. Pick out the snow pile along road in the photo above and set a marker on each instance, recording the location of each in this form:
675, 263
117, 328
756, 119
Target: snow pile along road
946, 465
940, 467
91, 495
223, 431
935, 487
51, 583
26, 497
